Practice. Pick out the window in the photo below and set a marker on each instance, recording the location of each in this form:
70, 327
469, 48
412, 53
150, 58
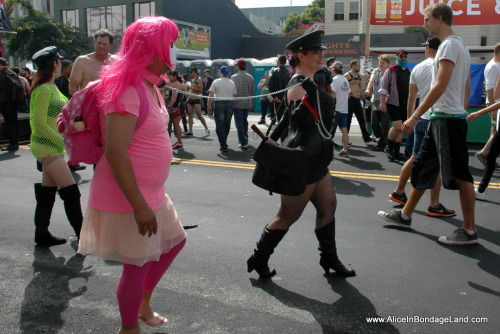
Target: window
71, 16
144, 9
353, 10
484, 40
109, 17
338, 14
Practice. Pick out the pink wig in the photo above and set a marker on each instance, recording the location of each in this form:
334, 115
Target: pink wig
145, 40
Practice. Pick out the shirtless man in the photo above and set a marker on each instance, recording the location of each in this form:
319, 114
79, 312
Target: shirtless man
87, 67
354, 103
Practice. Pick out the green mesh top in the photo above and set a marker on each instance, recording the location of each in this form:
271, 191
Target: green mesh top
46, 104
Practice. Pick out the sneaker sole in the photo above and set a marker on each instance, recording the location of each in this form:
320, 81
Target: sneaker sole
435, 214
395, 200
457, 243
381, 214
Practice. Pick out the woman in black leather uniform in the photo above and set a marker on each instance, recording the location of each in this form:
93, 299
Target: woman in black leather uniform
297, 128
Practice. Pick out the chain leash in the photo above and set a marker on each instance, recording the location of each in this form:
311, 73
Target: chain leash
322, 129
238, 98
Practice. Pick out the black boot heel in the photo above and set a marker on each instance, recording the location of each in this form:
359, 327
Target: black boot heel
337, 266
261, 268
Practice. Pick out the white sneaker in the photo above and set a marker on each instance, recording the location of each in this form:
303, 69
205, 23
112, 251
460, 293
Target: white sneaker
343, 153
480, 196
207, 132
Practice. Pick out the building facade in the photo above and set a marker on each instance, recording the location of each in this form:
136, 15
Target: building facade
349, 17
227, 25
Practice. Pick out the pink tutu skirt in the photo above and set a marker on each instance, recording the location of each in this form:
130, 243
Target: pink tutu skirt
115, 236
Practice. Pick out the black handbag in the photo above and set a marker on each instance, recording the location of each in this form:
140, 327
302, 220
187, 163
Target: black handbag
279, 169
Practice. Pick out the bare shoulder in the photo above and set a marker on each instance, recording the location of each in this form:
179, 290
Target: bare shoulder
84, 58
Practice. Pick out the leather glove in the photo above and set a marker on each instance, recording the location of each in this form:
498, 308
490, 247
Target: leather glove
310, 87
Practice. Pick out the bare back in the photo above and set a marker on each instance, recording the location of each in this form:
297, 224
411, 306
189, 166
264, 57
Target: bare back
86, 69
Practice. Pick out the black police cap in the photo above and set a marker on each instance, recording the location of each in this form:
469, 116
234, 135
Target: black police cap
46, 54
311, 41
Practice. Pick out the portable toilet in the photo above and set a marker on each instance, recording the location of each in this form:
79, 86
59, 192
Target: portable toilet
201, 65
182, 67
259, 69
218, 63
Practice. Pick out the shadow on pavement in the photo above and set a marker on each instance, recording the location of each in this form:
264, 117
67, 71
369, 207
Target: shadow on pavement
488, 260
48, 294
347, 315
8, 155
352, 187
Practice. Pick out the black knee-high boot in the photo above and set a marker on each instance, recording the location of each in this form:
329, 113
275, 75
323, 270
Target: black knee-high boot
328, 248
45, 198
397, 154
71, 197
390, 150
265, 247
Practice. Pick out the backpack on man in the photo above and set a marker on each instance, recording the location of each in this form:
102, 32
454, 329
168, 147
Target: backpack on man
86, 144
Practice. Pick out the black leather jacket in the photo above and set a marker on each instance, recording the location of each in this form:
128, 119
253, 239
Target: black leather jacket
298, 128
278, 80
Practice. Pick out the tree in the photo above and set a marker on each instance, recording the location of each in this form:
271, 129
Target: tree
36, 30
297, 23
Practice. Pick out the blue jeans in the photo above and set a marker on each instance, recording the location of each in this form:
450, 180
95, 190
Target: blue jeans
222, 115
241, 121
418, 134
264, 106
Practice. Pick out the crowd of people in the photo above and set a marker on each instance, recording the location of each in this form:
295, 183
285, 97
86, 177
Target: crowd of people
129, 217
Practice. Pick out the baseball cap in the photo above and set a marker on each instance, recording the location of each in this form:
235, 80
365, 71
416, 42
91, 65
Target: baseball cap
433, 42
241, 63
338, 65
401, 51
224, 70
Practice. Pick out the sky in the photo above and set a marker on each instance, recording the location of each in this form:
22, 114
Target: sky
273, 3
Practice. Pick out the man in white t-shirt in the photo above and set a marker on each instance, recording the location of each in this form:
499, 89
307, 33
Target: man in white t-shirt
420, 84
491, 76
444, 147
222, 87
341, 90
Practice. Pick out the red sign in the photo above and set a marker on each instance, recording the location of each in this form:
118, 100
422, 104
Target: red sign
411, 12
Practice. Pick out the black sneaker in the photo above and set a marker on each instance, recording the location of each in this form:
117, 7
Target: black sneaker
395, 217
262, 121
459, 237
440, 211
397, 198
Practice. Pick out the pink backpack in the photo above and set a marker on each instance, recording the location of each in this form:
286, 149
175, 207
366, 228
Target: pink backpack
87, 145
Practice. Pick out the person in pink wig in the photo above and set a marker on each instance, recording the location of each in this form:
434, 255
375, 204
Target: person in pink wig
129, 217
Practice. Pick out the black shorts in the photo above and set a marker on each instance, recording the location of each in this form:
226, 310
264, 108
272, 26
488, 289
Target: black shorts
397, 113
194, 101
443, 150
316, 170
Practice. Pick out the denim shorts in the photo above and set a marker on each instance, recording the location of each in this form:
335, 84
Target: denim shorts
418, 134
341, 119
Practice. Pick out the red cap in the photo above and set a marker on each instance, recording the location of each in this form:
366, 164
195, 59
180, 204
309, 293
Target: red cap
241, 62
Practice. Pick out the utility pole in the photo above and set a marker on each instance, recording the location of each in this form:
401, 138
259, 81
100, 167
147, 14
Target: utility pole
368, 27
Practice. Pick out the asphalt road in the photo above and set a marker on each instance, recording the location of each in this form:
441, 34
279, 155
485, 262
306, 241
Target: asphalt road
405, 275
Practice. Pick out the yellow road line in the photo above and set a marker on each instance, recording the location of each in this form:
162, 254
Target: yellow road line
351, 175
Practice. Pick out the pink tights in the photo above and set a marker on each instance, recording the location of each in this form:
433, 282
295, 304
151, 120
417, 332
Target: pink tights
135, 280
